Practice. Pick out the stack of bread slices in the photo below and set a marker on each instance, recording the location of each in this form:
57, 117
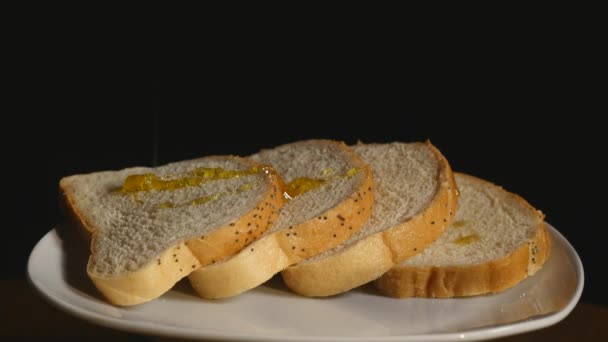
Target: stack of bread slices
326, 216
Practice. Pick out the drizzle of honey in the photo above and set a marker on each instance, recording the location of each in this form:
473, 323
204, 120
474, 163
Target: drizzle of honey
328, 171
302, 184
166, 205
458, 224
207, 199
219, 173
150, 181
245, 187
465, 240
353, 171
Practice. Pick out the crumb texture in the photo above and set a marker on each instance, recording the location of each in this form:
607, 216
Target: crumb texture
490, 223
131, 229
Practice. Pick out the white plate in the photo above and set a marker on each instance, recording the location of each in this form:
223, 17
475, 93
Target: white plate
271, 313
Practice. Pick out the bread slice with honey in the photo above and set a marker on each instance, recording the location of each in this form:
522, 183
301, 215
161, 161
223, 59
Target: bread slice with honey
143, 220
331, 193
496, 240
415, 200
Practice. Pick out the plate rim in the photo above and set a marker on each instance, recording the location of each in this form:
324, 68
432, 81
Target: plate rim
149, 328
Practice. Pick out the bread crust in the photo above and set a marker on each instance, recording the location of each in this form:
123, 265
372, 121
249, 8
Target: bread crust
74, 218
369, 258
275, 252
150, 281
160, 274
458, 281
231, 238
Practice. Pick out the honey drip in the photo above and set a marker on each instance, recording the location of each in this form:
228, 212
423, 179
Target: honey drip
353, 171
150, 181
458, 224
465, 240
301, 185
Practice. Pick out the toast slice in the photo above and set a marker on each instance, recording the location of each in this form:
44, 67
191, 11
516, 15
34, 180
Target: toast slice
415, 200
331, 192
496, 240
142, 220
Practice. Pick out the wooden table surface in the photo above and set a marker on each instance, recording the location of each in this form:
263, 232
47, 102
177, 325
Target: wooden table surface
25, 314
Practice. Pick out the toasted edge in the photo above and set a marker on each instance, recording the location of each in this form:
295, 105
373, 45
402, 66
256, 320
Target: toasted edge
458, 281
275, 252
371, 257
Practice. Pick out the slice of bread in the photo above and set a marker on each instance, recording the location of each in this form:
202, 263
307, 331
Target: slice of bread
142, 220
332, 198
415, 200
496, 240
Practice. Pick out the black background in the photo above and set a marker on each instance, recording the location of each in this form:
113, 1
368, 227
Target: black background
534, 134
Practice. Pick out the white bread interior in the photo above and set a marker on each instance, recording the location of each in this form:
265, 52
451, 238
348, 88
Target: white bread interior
139, 239
308, 224
496, 240
415, 200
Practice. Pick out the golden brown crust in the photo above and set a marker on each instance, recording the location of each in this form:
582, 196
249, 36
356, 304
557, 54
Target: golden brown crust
150, 281
160, 274
231, 238
331, 228
457, 281
371, 257
273, 253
